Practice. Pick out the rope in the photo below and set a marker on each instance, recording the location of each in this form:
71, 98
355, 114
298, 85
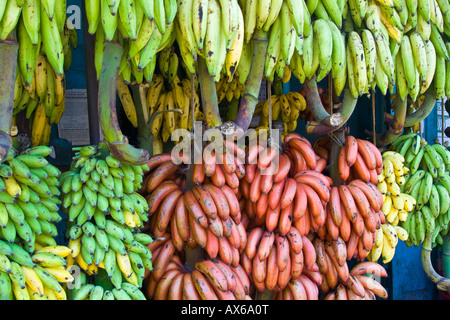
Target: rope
335, 139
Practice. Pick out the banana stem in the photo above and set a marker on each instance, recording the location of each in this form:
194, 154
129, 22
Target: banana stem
314, 103
117, 143
344, 112
334, 154
441, 282
396, 126
422, 112
250, 98
209, 96
8, 52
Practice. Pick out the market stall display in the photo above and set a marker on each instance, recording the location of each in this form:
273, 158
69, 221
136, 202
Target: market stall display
217, 195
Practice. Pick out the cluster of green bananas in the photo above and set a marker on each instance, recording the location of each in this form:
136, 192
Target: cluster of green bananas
29, 198
428, 181
161, 98
104, 291
39, 25
380, 44
142, 28
99, 182
113, 247
288, 24
40, 275
396, 207
286, 107
105, 213
44, 55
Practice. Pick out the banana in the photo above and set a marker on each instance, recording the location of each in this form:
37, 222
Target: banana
274, 48
31, 19
127, 101
233, 56
438, 43
408, 61
359, 61
52, 43
11, 15
297, 16
185, 26
419, 54
338, 52
384, 56
213, 37
128, 18
230, 19
275, 7
323, 35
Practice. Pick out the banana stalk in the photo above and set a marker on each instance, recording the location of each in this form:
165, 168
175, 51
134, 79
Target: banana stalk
144, 125
442, 283
418, 115
336, 145
117, 143
316, 107
250, 97
209, 96
422, 112
395, 128
345, 110
8, 52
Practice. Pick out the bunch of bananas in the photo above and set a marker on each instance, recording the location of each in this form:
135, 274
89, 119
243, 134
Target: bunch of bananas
363, 285
380, 44
40, 275
90, 291
229, 90
142, 28
45, 41
397, 204
29, 202
427, 182
38, 25
359, 158
286, 107
396, 207
113, 247
33, 265
105, 212
209, 279
98, 183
